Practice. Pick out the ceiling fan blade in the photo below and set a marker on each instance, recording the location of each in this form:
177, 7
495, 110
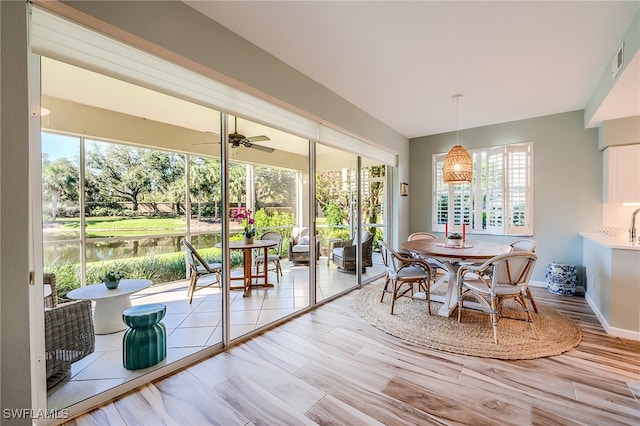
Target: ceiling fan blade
260, 138
258, 147
205, 143
212, 136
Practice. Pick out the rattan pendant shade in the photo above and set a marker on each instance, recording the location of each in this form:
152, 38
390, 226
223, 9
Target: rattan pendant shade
458, 166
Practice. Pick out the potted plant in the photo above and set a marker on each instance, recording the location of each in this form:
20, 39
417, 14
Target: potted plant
111, 279
244, 214
454, 240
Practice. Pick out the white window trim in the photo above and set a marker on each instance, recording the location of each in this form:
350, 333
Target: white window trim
477, 193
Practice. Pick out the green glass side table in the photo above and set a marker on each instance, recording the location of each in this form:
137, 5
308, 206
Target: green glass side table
145, 342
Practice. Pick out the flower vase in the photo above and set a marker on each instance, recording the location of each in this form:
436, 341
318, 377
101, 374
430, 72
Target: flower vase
247, 240
111, 285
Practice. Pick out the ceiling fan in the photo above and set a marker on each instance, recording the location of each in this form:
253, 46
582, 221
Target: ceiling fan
236, 139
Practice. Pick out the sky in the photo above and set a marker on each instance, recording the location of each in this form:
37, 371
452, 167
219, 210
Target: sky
61, 146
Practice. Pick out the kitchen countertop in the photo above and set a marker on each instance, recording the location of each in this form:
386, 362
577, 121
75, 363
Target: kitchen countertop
620, 242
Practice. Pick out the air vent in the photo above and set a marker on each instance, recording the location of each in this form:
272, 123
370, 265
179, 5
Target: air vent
618, 61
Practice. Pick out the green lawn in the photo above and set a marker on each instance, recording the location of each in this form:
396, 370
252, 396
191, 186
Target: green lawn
120, 226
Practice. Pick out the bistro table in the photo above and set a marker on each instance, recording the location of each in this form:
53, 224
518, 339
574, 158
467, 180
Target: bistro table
110, 304
247, 276
450, 257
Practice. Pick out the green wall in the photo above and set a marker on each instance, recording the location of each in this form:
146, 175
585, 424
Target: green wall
567, 182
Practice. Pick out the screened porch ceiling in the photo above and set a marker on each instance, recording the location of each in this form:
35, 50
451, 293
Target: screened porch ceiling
84, 102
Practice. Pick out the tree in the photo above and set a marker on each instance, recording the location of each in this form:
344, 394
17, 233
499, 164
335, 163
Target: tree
335, 191
237, 182
62, 179
128, 173
274, 186
205, 181
332, 191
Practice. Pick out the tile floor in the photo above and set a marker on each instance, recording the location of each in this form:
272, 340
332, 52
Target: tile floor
192, 327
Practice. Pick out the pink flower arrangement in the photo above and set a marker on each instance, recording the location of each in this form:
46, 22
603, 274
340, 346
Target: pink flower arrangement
243, 214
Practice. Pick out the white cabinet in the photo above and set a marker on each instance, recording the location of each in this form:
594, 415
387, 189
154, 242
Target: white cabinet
622, 174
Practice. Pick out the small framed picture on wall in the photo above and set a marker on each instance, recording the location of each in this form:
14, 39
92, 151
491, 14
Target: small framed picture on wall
404, 189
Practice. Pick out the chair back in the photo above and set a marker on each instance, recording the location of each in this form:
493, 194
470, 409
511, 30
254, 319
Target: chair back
422, 236
192, 257
524, 245
512, 268
298, 232
274, 236
389, 258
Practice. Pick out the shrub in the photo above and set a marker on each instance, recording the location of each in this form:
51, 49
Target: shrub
160, 269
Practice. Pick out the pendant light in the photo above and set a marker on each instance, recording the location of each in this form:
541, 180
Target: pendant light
458, 166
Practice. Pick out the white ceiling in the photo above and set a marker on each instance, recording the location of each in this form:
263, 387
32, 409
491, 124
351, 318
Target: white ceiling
403, 61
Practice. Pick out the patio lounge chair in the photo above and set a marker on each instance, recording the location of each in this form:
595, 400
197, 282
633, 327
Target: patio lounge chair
68, 337
299, 247
344, 252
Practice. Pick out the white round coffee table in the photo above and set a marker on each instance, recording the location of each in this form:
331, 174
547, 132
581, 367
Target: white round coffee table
107, 315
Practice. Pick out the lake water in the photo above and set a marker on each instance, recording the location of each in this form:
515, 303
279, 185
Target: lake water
123, 248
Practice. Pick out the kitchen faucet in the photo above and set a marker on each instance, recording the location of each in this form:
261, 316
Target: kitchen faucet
632, 230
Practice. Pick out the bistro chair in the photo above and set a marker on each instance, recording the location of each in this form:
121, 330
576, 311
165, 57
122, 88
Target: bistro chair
198, 267
404, 270
436, 265
274, 255
526, 245
499, 278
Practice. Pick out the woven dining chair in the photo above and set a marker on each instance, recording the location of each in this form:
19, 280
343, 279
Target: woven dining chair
404, 270
526, 245
499, 278
274, 255
435, 264
198, 267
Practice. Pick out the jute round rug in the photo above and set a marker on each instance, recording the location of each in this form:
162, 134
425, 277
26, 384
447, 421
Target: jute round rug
472, 336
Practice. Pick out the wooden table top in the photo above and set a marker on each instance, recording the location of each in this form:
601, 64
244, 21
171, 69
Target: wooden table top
242, 245
474, 249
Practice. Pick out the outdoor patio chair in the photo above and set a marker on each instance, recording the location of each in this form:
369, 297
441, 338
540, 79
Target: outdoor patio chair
198, 267
344, 253
404, 270
274, 254
502, 277
68, 336
299, 248
50, 290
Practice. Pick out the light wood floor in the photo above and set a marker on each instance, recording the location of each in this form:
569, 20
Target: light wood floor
331, 367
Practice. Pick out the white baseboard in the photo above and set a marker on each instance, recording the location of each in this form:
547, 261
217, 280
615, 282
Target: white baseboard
533, 283
614, 331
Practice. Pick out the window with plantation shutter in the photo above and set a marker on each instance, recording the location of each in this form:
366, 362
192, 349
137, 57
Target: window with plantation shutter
499, 199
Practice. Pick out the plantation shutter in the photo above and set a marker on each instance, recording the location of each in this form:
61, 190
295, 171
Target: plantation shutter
495, 190
440, 194
518, 189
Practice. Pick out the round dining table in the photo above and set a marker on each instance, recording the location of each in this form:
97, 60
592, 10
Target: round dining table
474, 251
247, 277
